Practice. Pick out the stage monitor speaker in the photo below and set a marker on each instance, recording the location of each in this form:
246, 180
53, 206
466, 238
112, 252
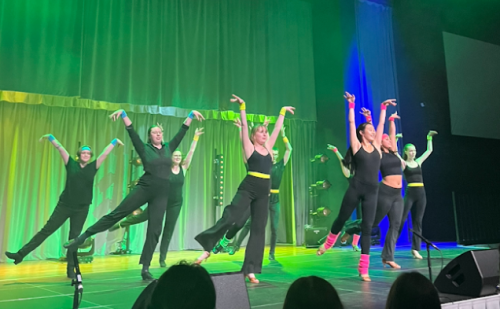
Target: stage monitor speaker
473, 273
231, 291
314, 236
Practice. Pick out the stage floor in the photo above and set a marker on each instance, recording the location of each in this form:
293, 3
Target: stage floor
115, 282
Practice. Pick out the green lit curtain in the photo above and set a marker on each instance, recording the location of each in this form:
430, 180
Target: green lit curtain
162, 53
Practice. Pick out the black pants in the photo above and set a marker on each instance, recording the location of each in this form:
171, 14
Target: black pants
274, 214
356, 192
390, 204
253, 192
77, 214
415, 200
155, 194
171, 216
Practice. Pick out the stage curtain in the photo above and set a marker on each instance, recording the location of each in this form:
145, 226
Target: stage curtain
32, 174
161, 53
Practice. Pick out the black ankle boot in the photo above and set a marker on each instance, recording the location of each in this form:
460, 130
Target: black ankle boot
75, 243
146, 275
163, 264
17, 257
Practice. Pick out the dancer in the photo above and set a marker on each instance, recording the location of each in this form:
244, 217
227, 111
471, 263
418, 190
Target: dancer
174, 204
364, 160
153, 186
253, 192
274, 203
415, 199
74, 201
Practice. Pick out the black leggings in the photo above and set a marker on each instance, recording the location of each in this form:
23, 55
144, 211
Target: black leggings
415, 200
253, 192
368, 195
171, 216
390, 204
77, 214
155, 194
274, 214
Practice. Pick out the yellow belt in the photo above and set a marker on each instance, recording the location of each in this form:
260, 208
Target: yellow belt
259, 175
275, 191
416, 184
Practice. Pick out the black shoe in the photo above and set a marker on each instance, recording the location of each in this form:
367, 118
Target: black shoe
70, 273
146, 275
115, 227
17, 257
271, 257
217, 249
75, 243
162, 264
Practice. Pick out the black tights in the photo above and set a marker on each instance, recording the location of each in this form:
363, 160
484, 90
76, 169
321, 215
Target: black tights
367, 194
415, 200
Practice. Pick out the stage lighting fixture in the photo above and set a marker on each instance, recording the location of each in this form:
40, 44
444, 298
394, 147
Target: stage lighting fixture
136, 161
322, 212
322, 185
320, 158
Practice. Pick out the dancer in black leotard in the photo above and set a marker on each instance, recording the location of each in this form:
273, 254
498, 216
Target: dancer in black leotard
153, 186
74, 200
415, 199
253, 192
179, 169
365, 162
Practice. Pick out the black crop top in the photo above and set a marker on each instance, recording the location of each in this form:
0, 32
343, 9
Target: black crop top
259, 163
390, 164
367, 166
413, 174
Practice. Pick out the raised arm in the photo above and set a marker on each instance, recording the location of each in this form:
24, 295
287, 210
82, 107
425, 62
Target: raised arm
175, 142
104, 154
237, 123
368, 115
62, 151
345, 170
428, 152
134, 137
245, 139
355, 144
288, 146
189, 157
381, 121
278, 125
392, 131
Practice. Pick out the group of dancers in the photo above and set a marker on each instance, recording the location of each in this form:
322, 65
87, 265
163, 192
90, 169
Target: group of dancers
164, 169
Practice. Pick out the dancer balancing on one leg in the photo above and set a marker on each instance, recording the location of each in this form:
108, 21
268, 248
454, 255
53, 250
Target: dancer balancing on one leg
153, 186
415, 199
364, 160
253, 192
274, 202
74, 201
179, 169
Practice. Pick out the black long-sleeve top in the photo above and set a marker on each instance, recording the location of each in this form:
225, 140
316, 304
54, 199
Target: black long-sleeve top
156, 162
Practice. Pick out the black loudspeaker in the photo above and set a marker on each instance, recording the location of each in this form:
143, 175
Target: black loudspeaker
314, 235
231, 291
473, 273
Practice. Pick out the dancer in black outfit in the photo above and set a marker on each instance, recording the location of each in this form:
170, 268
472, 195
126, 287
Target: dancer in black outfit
274, 202
415, 199
179, 169
74, 201
153, 186
253, 192
366, 155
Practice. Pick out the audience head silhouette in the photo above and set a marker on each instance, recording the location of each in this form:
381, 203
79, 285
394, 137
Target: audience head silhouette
413, 290
312, 292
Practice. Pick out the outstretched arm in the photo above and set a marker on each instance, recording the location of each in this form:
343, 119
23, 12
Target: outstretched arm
288, 151
428, 152
237, 122
381, 122
279, 124
355, 144
345, 170
245, 140
174, 143
189, 157
134, 137
62, 151
104, 154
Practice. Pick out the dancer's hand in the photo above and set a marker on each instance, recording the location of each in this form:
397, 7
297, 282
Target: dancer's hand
237, 99
198, 131
332, 148
365, 112
395, 116
349, 97
266, 121
44, 137
399, 135
119, 143
432, 133
389, 102
237, 122
289, 109
118, 114
198, 115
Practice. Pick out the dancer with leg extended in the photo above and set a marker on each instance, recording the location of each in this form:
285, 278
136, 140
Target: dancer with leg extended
74, 201
152, 188
364, 160
253, 192
274, 202
179, 169
415, 199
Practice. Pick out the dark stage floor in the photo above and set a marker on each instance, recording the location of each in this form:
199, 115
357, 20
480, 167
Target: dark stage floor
114, 281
